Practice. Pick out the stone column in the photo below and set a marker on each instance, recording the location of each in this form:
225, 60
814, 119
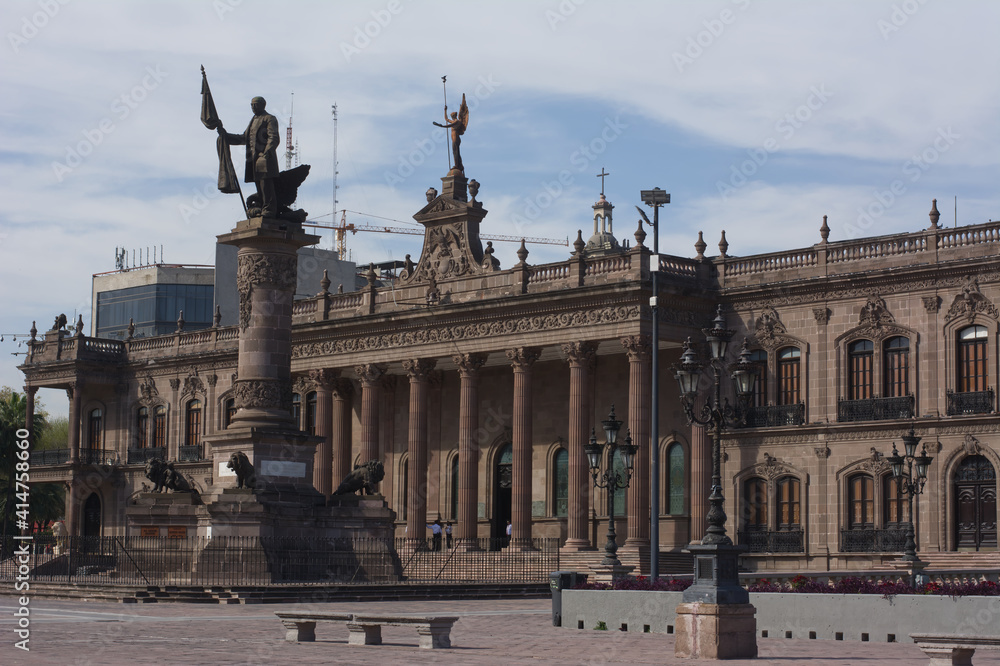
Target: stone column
416, 500
580, 356
639, 351
701, 481
371, 390
323, 462
71, 506
521, 359
467, 530
75, 394
29, 412
342, 391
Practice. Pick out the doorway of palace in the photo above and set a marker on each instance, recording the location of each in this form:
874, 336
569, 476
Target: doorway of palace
975, 505
502, 486
92, 516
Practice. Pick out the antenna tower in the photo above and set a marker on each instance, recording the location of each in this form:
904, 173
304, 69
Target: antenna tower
338, 239
291, 149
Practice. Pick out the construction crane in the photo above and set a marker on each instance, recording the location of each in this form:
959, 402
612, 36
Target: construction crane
342, 229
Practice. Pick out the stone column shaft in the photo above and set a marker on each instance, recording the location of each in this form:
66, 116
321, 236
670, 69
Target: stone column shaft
467, 530
340, 435
371, 393
416, 499
701, 481
639, 396
75, 393
29, 412
580, 356
522, 359
323, 462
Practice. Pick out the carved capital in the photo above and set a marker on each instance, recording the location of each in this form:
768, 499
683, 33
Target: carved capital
469, 364
638, 347
342, 389
580, 353
175, 383
822, 315
932, 304
522, 358
212, 380
30, 391
822, 452
369, 373
417, 369
324, 378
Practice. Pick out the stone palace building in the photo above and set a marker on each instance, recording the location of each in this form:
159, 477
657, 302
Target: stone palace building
478, 385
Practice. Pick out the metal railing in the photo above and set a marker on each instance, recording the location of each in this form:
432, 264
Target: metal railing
50, 457
775, 415
872, 541
142, 456
189, 453
875, 409
96, 457
764, 541
971, 402
261, 561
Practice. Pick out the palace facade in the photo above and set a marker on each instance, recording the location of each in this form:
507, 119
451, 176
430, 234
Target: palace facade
478, 386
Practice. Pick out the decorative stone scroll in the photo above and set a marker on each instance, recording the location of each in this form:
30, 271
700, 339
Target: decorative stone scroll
263, 394
148, 395
259, 269
971, 302
770, 469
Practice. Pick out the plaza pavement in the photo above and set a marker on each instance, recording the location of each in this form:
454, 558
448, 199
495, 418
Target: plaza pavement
514, 631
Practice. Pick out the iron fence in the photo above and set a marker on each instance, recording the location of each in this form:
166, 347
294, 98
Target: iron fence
872, 541
764, 541
875, 409
189, 453
262, 561
142, 456
775, 415
49, 457
970, 402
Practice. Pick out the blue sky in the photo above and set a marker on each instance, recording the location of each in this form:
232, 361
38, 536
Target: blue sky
758, 117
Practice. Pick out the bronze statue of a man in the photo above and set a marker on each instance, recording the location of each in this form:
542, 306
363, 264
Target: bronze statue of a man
261, 138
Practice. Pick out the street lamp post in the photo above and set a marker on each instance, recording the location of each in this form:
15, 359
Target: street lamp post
611, 479
655, 198
909, 484
716, 558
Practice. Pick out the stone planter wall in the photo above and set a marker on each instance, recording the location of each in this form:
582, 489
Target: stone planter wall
848, 617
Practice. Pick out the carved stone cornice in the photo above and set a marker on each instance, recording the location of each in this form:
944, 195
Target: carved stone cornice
369, 373
522, 358
417, 369
469, 364
971, 302
580, 353
637, 347
469, 331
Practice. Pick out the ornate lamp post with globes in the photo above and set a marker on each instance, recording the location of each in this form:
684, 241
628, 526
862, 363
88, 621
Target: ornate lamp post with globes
611, 479
910, 485
715, 620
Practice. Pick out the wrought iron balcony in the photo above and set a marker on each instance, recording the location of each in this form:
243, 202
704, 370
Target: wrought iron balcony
872, 541
875, 409
97, 457
971, 402
189, 453
49, 457
775, 415
142, 456
764, 541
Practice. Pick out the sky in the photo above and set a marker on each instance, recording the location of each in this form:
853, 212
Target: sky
758, 117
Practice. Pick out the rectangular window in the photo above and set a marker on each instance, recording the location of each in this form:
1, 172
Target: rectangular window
896, 368
788, 376
789, 504
860, 371
972, 374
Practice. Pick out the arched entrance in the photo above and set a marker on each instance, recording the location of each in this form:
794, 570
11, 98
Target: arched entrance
92, 516
502, 484
975, 505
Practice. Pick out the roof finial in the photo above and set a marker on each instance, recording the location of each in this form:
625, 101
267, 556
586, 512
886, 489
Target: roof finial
934, 214
723, 245
824, 231
700, 246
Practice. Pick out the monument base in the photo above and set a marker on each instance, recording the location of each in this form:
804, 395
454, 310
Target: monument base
715, 631
608, 573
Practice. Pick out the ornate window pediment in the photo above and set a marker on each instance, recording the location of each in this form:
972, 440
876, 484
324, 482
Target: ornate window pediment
770, 333
971, 302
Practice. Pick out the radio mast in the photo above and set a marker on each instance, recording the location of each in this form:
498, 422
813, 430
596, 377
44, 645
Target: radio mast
334, 215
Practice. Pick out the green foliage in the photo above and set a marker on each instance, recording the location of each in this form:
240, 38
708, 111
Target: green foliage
13, 408
601, 626
54, 436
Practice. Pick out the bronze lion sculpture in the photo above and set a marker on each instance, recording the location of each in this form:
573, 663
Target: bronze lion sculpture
241, 465
366, 477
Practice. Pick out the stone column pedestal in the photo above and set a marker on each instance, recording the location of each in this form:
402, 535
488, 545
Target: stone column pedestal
605, 573
715, 631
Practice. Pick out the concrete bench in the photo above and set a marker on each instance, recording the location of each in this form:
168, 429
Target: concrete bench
948, 649
366, 629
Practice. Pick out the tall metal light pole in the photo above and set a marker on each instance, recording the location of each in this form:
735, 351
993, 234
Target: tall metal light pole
909, 484
611, 479
716, 579
655, 198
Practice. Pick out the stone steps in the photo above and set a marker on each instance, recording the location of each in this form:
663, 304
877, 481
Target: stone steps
961, 560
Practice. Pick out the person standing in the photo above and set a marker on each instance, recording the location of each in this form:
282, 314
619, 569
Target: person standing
435, 529
510, 530
447, 534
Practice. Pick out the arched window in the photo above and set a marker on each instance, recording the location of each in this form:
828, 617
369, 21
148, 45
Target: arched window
454, 488
755, 500
894, 506
297, 410
789, 376
95, 430
972, 348
860, 370
192, 434
160, 426
311, 413
789, 504
861, 502
560, 490
142, 428
229, 411
896, 367
759, 360
675, 479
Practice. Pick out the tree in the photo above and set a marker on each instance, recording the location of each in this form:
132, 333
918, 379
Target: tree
13, 409
54, 436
